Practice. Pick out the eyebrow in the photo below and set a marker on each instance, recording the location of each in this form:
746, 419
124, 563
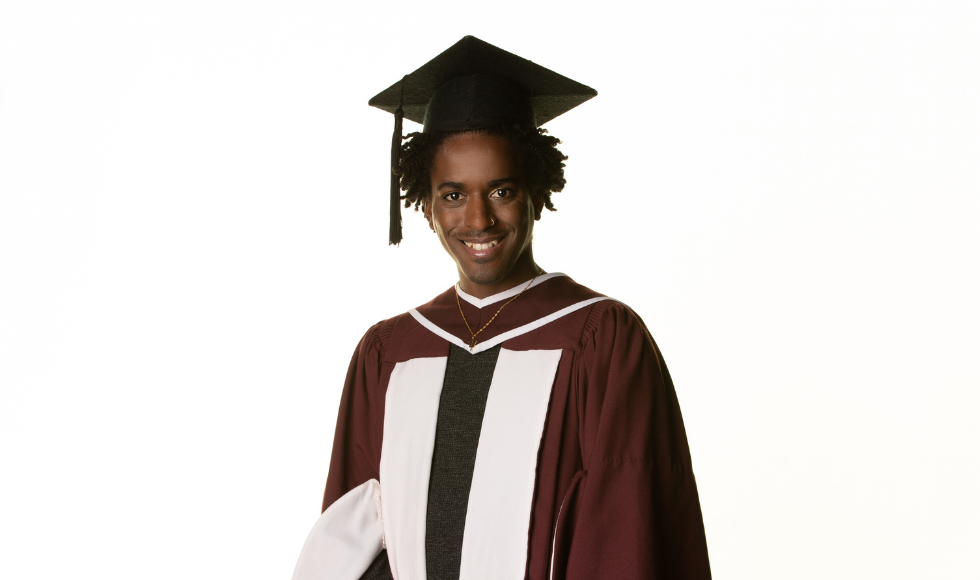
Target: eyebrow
452, 184
499, 182
461, 185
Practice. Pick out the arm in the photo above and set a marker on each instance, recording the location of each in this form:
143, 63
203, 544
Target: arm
633, 511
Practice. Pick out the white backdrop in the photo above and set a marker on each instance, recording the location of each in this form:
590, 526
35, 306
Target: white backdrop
193, 225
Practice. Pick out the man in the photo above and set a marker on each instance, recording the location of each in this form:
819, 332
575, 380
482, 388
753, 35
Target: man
519, 425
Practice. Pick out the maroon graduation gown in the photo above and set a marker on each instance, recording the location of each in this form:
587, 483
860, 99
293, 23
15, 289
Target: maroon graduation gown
614, 495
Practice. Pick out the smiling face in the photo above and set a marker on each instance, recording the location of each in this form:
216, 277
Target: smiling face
483, 213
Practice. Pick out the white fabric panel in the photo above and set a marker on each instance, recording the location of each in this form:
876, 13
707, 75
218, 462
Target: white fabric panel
346, 538
411, 412
498, 515
506, 293
482, 346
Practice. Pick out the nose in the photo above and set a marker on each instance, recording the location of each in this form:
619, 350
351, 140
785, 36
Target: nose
479, 215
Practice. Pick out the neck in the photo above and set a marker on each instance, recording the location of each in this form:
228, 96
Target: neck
523, 271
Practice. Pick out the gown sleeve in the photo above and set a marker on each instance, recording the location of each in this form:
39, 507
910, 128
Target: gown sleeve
633, 510
356, 454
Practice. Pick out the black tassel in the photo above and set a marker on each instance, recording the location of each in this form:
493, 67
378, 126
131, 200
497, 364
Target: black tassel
395, 220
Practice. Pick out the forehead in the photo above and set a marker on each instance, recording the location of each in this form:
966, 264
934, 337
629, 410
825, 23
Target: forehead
476, 155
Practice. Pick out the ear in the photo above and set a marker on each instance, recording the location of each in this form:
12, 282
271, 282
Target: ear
538, 201
427, 212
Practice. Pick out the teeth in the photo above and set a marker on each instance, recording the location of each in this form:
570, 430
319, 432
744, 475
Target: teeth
480, 246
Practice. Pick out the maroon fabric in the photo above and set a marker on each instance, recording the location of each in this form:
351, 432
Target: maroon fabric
613, 448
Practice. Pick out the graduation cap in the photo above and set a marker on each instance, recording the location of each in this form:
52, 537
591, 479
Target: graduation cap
473, 85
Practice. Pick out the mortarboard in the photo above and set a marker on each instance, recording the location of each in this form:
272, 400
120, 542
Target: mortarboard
473, 85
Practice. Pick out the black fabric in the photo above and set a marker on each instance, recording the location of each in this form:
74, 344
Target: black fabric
476, 102
461, 407
379, 569
550, 93
395, 205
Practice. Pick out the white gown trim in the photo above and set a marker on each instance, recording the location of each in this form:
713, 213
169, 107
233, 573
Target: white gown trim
492, 342
506, 293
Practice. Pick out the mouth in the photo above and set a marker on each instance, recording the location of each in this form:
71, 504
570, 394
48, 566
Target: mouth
482, 249
478, 246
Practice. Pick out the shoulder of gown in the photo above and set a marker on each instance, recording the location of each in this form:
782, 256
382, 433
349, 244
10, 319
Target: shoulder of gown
633, 510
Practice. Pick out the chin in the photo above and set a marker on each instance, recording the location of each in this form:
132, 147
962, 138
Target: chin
484, 274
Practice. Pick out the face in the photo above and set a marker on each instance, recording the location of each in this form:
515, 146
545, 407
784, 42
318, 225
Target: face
483, 213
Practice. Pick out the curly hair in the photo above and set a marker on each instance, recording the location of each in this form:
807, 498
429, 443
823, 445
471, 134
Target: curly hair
537, 151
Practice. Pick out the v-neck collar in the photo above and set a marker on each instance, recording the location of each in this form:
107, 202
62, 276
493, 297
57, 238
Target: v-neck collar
506, 293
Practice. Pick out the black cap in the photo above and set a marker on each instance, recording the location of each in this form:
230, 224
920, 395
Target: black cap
474, 85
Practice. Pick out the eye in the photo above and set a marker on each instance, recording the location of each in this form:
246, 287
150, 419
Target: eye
502, 192
452, 196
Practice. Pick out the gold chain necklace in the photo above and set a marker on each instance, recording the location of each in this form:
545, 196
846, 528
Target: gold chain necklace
473, 334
